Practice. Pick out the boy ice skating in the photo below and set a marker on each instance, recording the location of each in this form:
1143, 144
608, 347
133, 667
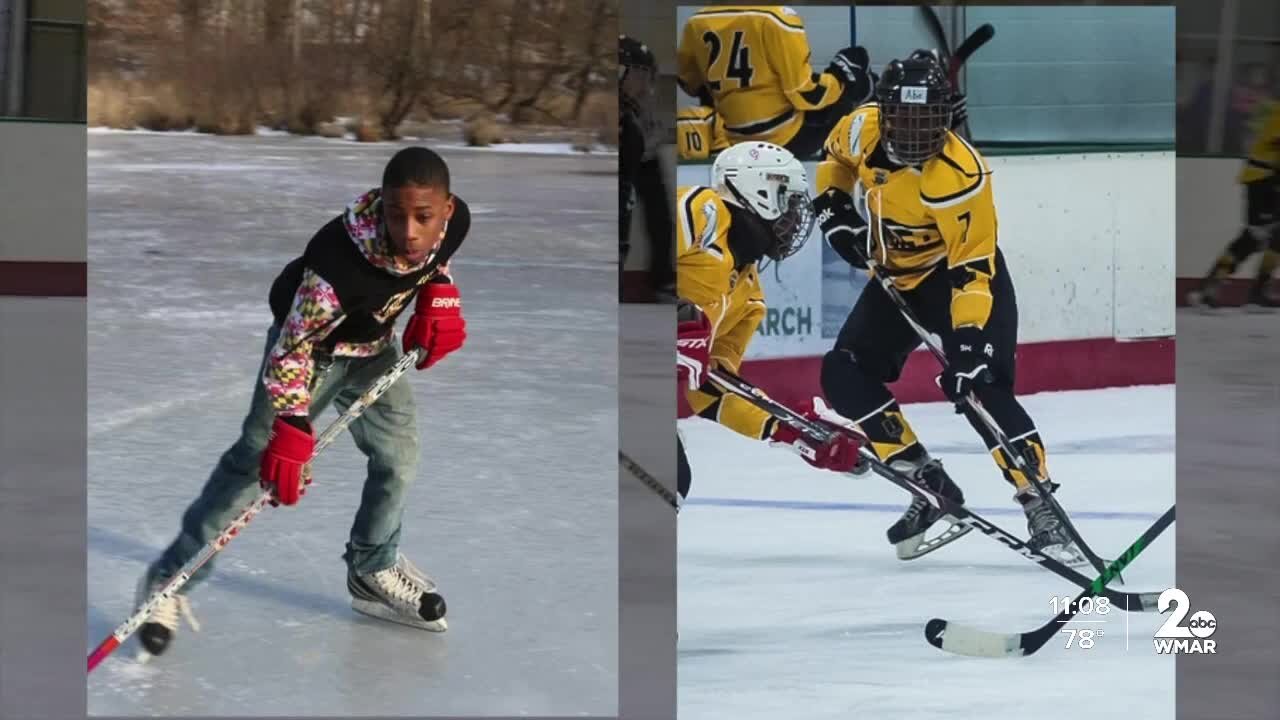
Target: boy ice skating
334, 311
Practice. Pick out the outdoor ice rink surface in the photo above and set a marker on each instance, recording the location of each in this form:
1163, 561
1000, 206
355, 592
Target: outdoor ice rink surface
514, 512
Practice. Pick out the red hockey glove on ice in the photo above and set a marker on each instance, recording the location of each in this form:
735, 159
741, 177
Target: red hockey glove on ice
693, 345
838, 454
437, 325
288, 451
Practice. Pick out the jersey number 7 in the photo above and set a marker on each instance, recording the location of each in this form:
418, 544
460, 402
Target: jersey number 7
739, 61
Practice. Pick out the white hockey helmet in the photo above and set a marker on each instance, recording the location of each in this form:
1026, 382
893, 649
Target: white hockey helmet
769, 181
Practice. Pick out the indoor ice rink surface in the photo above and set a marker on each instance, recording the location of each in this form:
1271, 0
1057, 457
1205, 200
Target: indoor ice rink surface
515, 509
792, 603
1228, 455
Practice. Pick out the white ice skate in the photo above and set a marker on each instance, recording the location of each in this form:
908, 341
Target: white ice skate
401, 594
1047, 535
161, 626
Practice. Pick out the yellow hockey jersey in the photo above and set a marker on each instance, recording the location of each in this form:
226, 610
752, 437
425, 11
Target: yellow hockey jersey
939, 216
708, 275
1264, 156
754, 63
699, 133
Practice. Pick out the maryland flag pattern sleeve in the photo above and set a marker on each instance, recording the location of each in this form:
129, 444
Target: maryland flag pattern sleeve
732, 298
290, 365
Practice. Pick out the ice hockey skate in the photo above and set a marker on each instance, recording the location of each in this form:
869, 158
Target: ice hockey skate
1046, 533
401, 594
157, 633
908, 534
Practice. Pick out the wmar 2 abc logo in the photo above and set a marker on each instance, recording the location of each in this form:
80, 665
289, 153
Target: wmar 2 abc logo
1174, 638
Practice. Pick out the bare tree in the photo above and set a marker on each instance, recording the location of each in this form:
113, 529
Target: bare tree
235, 63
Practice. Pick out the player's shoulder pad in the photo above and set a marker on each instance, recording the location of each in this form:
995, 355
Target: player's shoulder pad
788, 15
854, 134
955, 176
780, 14
702, 214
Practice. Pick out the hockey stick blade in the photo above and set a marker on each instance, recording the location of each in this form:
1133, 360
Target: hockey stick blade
122, 633
1134, 602
963, 640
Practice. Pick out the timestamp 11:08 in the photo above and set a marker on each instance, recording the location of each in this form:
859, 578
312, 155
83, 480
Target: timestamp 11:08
1084, 638
1083, 606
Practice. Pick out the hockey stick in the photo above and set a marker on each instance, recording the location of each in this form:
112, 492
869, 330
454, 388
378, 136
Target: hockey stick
135, 621
963, 640
650, 481
1135, 602
976, 39
955, 60
971, 401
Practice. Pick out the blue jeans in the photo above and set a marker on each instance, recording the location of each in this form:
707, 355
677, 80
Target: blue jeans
387, 433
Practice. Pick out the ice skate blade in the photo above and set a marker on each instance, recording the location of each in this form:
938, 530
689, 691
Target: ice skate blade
1072, 558
918, 546
382, 612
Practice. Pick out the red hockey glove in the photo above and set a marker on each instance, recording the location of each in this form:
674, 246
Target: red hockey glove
283, 462
838, 454
693, 345
436, 325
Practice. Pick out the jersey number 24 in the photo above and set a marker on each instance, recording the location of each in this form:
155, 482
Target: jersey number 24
739, 62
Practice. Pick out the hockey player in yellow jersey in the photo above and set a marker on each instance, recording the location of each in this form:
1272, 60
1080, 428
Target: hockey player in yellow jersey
699, 133
1261, 233
758, 208
933, 231
750, 64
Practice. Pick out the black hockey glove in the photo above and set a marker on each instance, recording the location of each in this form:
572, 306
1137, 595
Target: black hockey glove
849, 66
842, 226
968, 352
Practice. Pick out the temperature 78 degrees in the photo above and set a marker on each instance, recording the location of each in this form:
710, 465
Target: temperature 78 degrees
1085, 608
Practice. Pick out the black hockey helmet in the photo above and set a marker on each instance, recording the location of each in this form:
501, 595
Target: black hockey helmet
634, 54
915, 108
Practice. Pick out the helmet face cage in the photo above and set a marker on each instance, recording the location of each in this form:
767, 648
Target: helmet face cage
768, 180
794, 224
634, 55
915, 110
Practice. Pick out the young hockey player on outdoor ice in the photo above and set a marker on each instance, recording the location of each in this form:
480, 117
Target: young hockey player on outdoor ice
335, 309
898, 163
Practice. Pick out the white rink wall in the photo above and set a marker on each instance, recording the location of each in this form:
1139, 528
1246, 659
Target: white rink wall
1089, 239
43, 184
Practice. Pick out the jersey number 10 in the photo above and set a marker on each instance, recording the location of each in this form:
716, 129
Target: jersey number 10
739, 61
